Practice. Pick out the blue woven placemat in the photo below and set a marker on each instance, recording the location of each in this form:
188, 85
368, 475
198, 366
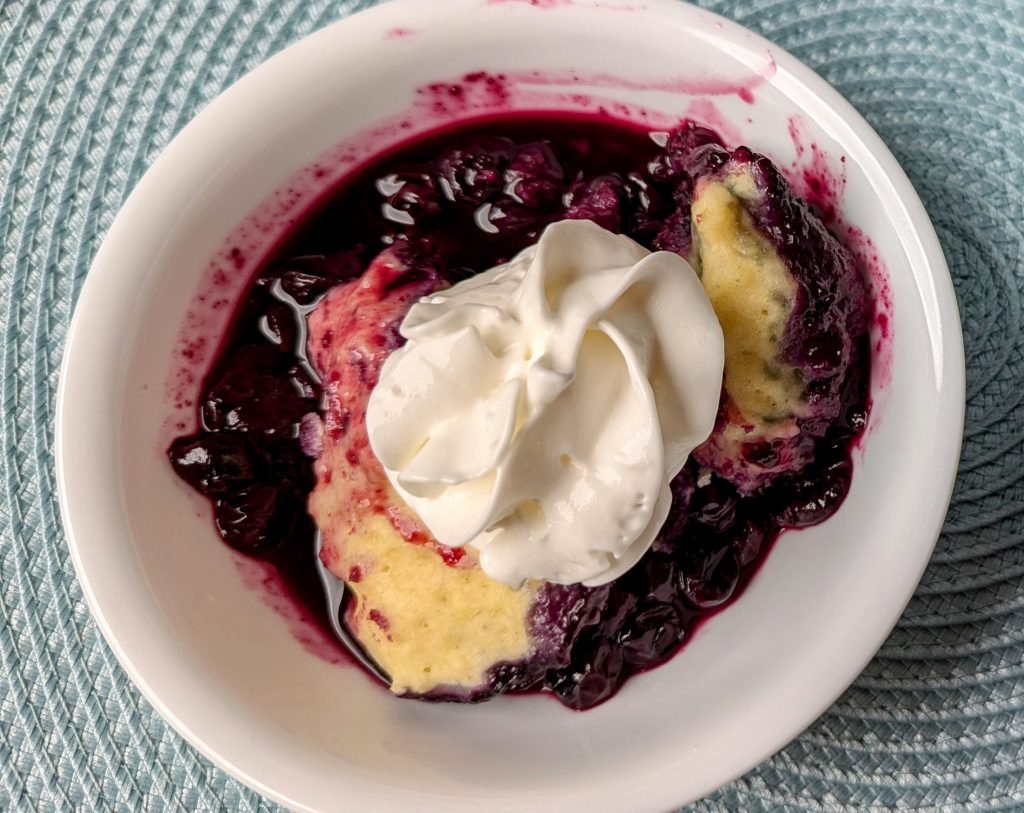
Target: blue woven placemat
92, 90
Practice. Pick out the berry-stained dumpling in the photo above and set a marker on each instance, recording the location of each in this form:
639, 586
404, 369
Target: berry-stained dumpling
792, 305
427, 614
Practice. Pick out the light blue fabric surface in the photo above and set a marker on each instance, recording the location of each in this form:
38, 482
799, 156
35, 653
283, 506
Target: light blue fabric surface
92, 90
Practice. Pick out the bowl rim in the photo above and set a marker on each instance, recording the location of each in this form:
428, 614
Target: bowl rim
920, 239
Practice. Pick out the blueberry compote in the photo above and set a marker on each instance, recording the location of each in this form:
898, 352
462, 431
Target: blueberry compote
457, 202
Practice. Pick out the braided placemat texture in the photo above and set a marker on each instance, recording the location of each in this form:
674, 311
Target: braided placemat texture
92, 90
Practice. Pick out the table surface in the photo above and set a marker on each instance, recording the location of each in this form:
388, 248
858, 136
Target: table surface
92, 90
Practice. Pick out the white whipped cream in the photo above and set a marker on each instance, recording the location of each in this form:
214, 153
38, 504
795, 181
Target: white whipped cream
540, 409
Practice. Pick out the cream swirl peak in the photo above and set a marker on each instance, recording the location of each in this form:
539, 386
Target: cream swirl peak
539, 410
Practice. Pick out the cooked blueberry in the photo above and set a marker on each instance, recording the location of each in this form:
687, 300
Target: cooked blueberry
824, 352
409, 197
646, 209
304, 287
508, 677
694, 150
472, 173
660, 575
505, 217
717, 504
214, 464
252, 392
683, 488
620, 606
709, 576
653, 634
592, 681
857, 417
674, 233
278, 325
816, 497
749, 541
599, 200
534, 176
258, 519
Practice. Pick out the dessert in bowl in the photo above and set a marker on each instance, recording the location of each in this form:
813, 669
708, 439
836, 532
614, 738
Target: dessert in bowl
228, 671
499, 459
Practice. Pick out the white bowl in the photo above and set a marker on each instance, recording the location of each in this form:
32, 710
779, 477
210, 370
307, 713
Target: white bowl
224, 669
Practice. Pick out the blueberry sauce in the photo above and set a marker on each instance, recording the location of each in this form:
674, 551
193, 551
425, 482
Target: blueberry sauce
455, 203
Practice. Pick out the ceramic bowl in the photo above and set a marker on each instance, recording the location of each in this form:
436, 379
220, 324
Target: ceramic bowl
180, 610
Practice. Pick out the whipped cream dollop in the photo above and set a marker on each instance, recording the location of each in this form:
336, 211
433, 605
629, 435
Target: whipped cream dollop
539, 410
